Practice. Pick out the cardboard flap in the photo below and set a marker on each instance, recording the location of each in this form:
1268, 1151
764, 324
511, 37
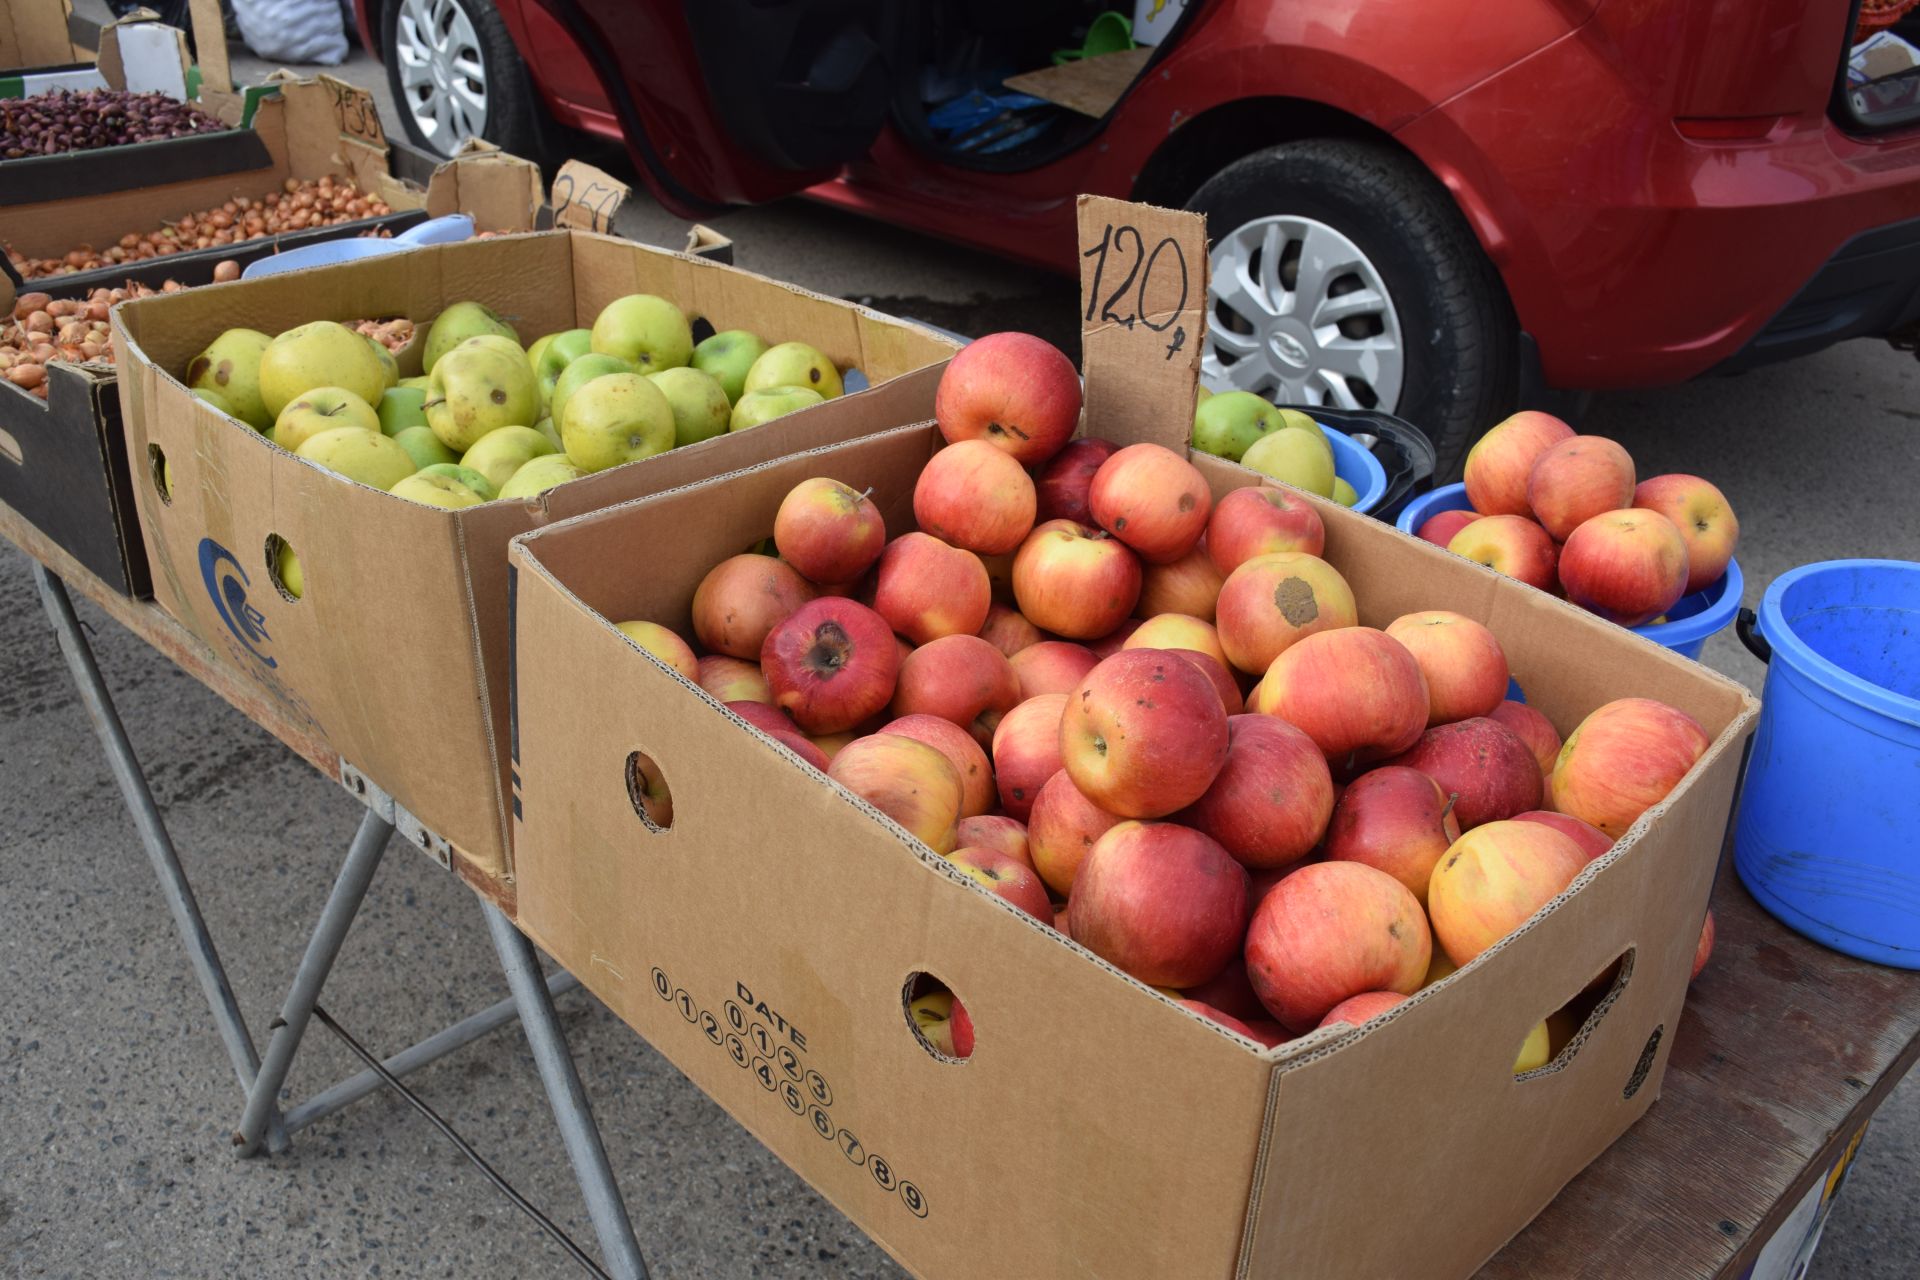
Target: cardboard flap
141, 55
1143, 297
210, 47
331, 126
33, 33
586, 198
501, 191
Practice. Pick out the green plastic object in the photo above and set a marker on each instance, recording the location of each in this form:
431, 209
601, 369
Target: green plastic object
1109, 33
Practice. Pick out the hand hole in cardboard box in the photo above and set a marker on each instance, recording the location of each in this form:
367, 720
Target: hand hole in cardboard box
647, 789
1553, 1043
937, 1018
9, 447
284, 570
161, 473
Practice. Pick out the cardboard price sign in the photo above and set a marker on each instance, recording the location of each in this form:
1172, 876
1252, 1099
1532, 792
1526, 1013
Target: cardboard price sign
587, 198
1143, 293
356, 112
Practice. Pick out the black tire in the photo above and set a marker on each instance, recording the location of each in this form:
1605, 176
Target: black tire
1464, 378
516, 120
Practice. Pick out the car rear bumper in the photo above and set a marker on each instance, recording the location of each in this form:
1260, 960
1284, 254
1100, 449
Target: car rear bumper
1867, 289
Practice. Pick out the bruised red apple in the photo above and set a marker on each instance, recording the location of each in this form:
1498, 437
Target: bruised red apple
1177, 631
994, 831
1013, 390
959, 678
1622, 760
1144, 735
1396, 820
1258, 521
926, 589
1161, 902
1026, 751
1513, 545
1051, 666
1704, 950
974, 495
1062, 485
1577, 479
1189, 585
1500, 462
1363, 1008
1704, 518
733, 679
1490, 773
741, 599
1062, 828
968, 758
1075, 581
1592, 840
1356, 692
909, 781
1439, 529
1006, 878
1215, 670
1332, 930
1272, 601
1231, 992
831, 663
764, 715
1104, 647
1153, 500
1008, 630
1270, 802
1534, 729
830, 532
1465, 667
1493, 880
1628, 566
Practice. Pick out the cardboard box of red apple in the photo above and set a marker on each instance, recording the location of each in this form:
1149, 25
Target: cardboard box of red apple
1090, 959
393, 646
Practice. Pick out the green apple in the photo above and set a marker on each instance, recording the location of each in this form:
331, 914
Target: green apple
287, 565
500, 453
322, 409
794, 364
1226, 425
418, 380
557, 351
539, 348
1295, 418
497, 342
477, 389
1294, 456
541, 475
756, 407
321, 354
578, 374
455, 325
466, 476
389, 367
1201, 395
646, 331
727, 356
423, 446
400, 408
359, 454
436, 491
700, 407
546, 428
231, 366
616, 418
215, 399
1343, 493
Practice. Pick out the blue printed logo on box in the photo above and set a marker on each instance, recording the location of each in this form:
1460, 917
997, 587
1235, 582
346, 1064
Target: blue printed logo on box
226, 584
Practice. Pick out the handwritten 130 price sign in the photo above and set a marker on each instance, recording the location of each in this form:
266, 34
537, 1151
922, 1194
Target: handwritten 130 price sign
1143, 289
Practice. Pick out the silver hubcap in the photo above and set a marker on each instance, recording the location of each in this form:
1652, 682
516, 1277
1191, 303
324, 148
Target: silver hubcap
442, 80
1298, 314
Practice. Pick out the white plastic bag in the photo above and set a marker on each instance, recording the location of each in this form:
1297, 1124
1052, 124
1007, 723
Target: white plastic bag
297, 31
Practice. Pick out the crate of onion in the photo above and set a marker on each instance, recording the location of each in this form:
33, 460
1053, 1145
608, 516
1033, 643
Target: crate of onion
1087, 859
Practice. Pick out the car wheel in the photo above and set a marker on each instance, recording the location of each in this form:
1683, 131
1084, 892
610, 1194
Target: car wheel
456, 74
1343, 275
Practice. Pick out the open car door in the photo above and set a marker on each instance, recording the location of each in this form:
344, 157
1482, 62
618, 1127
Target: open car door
740, 101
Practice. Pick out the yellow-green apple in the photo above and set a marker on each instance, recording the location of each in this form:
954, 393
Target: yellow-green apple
1622, 760
1231, 992
577, 375
972, 495
1216, 671
1534, 729
927, 589
962, 679
476, 389
1227, 424
465, 475
1075, 581
1395, 820
1577, 479
539, 475
1465, 667
1704, 518
733, 679
1013, 390
726, 356
1493, 880
646, 331
1628, 566
829, 531
1439, 968
1295, 455
905, 779
1357, 692
1439, 529
1161, 902
701, 409
1007, 878
1271, 602
1363, 1008
1535, 1050
1513, 545
1500, 461
968, 758
793, 364
832, 744
436, 490
1177, 631
664, 644
1189, 585
402, 409
1270, 802
1703, 950
995, 831
616, 418
1153, 500
1062, 828
321, 354
503, 451
1259, 520
1144, 734
1008, 630
1062, 485
741, 599
1592, 840
455, 325
1026, 752
358, 454
322, 409
1330, 930
1052, 666
1486, 767
1344, 493
553, 354
757, 408
230, 367
831, 664
933, 1018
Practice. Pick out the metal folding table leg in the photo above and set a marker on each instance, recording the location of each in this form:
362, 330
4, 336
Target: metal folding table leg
569, 1101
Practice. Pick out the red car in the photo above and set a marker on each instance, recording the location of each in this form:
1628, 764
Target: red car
1440, 209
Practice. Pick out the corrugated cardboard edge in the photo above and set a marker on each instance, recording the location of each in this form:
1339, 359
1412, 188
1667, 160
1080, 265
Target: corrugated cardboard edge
33, 33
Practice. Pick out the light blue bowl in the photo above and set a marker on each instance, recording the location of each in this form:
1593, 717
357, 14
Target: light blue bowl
1358, 468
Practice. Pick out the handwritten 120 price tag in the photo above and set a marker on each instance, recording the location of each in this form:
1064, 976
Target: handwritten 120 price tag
1143, 285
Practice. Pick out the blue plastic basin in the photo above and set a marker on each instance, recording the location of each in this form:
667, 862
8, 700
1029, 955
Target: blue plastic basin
1358, 468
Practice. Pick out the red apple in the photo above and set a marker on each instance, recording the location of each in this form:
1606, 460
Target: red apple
1013, 390
960, 1028
1074, 581
1704, 518
959, 678
830, 532
1062, 828
1220, 1016
1270, 803
906, 780
1189, 585
1262, 882
1006, 878
1439, 529
1513, 545
974, 495
1577, 479
1061, 922
1493, 880
1153, 500
1144, 735
1272, 601
1231, 992
1177, 631
1026, 751
1104, 647
1332, 930
932, 1016
1008, 630
741, 599
1628, 566
1215, 670
1465, 667
1258, 521
1063, 483
764, 715
1052, 666
1363, 1008
1624, 759
1490, 773
1592, 840
801, 747
926, 589
1357, 692
994, 831
1500, 462
1395, 820
733, 679
968, 758
1704, 951
663, 643
1534, 729
1161, 902
831, 663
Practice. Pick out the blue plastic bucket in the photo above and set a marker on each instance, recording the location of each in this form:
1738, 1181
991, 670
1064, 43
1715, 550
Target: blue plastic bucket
1359, 468
1829, 830
1689, 623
